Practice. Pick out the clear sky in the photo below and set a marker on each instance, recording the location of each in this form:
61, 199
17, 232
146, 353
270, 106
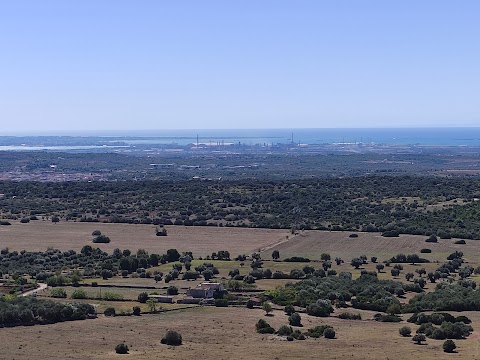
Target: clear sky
114, 64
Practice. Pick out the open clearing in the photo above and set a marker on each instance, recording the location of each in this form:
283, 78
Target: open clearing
312, 244
222, 333
202, 241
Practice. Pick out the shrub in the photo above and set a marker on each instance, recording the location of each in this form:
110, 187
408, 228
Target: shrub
221, 302
295, 319
142, 297
172, 338
267, 308
459, 242
419, 338
101, 239
289, 338
318, 331
432, 239
325, 257
350, 316
121, 349
58, 293
285, 330
391, 233
405, 331
110, 311
449, 346
250, 304
353, 236
96, 233
190, 275
172, 290
329, 333
387, 318
426, 251
79, 294
297, 259
320, 309
136, 310
289, 310
264, 328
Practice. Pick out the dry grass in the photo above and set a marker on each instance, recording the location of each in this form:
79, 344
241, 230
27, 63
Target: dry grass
202, 241
312, 244
222, 333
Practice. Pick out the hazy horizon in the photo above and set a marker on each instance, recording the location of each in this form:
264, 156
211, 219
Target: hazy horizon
119, 65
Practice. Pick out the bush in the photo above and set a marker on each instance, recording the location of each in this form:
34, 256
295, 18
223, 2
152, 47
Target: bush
221, 302
297, 259
121, 349
405, 331
136, 310
79, 294
110, 311
58, 293
96, 233
329, 333
172, 290
172, 338
459, 242
190, 275
295, 319
320, 310
419, 338
391, 233
350, 316
432, 239
101, 239
289, 310
285, 330
142, 297
353, 236
264, 328
318, 331
387, 318
426, 251
449, 346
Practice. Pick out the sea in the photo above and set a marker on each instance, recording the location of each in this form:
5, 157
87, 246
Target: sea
451, 136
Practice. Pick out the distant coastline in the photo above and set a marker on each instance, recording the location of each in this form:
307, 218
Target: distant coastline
451, 136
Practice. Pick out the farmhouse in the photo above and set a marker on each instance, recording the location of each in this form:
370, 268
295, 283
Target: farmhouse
199, 293
205, 290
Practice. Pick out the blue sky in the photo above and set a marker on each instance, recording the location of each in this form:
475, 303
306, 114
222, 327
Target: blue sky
100, 64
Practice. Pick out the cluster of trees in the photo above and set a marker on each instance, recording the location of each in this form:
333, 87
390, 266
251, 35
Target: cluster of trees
446, 297
318, 294
326, 331
348, 203
30, 311
43, 265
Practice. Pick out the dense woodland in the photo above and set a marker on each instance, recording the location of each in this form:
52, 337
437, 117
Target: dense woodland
389, 204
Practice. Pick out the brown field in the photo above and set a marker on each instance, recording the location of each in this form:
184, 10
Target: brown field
202, 241
225, 333
312, 244
222, 333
